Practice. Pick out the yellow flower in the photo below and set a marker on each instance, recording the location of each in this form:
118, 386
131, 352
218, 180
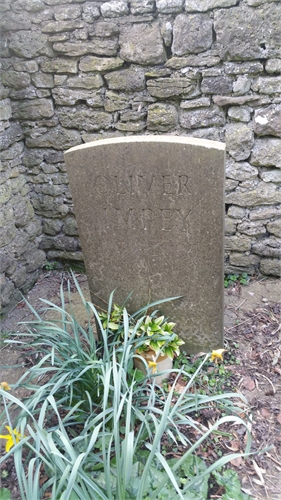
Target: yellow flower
5, 386
13, 437
217, 355
153, 365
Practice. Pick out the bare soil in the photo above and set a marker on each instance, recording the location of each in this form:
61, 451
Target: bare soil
252, 325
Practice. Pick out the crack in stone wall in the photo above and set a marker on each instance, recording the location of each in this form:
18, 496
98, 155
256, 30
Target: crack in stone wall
74, 71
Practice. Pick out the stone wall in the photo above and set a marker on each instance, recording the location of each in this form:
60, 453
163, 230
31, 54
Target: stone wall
75, 71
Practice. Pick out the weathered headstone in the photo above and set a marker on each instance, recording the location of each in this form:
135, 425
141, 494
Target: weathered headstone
150, 214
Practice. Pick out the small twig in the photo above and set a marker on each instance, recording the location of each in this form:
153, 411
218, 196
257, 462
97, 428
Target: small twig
237, 307
235, 326
273, 388
273, 459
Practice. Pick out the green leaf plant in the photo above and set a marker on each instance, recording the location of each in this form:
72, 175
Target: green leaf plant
90, 429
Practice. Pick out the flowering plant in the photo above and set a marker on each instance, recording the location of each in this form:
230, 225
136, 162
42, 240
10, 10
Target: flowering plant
159, 337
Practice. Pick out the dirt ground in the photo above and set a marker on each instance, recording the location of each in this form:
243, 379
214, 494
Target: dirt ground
252, 325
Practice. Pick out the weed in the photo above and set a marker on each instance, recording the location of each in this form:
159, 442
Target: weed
234, 279
50, 266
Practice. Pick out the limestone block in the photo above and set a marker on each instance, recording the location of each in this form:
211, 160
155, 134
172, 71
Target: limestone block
271, 267
90, 12
59, 242
115, 101
201, 118
241, 171
230, 185
264, 194
35, 260
192, 34
171, 87
243, 68
204, 5
239, 114
274, 228
47, 206
19, 276
43, 80
59, 2
30, 44
66, 12
15, 79
211, 134
271, 176
265, 212
13, 151
238, 243
228, 100
5, 193
131, 79
105, 29
69, 97
267, 121
60, 65
10, 22
142, 44
5, 109
267, 85
26, 93
31, 110
10, 135
273, 66
236, 212
239, 140
26, 66
99, 46
67, 256
135, 127
86, 82
243, 260
29, 5
93, 63
261, 32
266, 153
268, 247
242, 85
58, 26
7, 234
166, 31
132, 115
255, 3
141, 6
202, 102
169, 6
70, 226
52, 226
58, 138
203, 59
162, 117
84, 119
7, 261
230, 226
114, 8
252, 228
7, 289
216, 85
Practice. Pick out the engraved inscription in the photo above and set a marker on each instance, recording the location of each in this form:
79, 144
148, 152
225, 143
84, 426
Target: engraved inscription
142, 185
166, 219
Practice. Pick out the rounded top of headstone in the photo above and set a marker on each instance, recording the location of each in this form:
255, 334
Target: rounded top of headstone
189, 141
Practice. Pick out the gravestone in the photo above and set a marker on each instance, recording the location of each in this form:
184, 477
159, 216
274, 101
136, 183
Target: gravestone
150, 214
